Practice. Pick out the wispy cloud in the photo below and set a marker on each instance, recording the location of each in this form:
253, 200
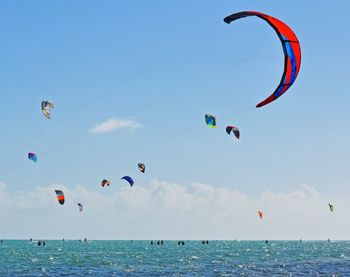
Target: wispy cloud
171, 211
113, 124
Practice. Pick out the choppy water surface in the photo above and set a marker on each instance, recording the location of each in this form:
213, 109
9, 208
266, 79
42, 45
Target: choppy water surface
140, 258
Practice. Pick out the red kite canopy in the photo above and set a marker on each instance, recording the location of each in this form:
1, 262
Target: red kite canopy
60, 196
291, 49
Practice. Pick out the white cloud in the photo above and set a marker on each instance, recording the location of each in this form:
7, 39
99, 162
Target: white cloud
170, 211
113, 124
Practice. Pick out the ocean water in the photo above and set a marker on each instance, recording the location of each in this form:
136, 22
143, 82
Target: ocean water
140, 258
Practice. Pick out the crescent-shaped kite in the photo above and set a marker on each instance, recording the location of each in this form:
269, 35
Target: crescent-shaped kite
291, 49
234, 130
105, 182
129, 180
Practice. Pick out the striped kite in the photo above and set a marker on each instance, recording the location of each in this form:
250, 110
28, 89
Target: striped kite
291, 49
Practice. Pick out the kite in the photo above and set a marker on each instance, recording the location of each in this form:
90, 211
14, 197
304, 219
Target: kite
234, 130
46, 107
33, 157
60, 196
105, 182
142, 167
291, 49
331, 207
260, 214
80, 207
129, 180
210, 120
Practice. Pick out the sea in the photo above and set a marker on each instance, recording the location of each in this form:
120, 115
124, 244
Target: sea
192, 258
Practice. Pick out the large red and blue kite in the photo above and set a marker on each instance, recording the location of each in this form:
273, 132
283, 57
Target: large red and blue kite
291, 49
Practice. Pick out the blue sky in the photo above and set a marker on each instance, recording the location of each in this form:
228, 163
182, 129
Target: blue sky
163, 65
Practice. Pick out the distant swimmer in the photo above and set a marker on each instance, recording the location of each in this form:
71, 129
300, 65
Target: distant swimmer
1, 241
151, 242
85, 240
39, 243
31, 239
203, 242
158, 242
266, 241
63, 239
161, 242
207, 242
43, 243
328, 240
80, 240
183, 243
179, 242
301, 240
